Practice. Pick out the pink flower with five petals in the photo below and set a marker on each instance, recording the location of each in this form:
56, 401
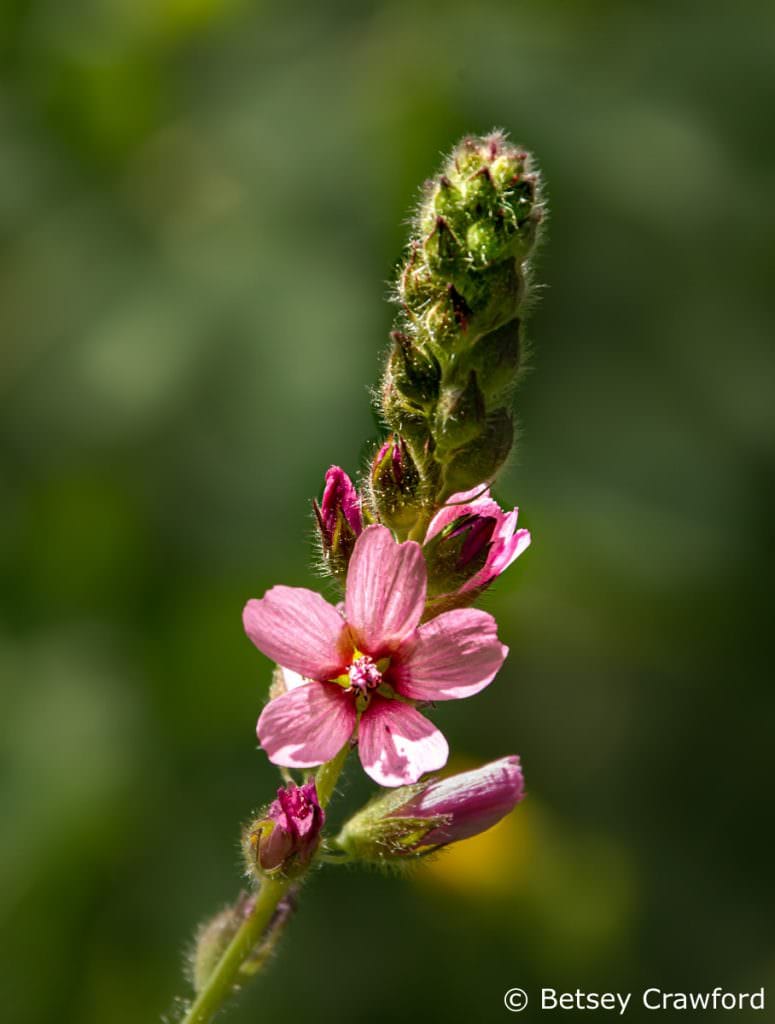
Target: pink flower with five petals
369, 667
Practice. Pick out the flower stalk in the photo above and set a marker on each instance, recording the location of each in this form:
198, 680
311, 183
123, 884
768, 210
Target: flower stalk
239, 956
224, 979
413, 546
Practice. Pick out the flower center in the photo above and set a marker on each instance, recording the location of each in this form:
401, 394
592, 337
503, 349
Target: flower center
364, 674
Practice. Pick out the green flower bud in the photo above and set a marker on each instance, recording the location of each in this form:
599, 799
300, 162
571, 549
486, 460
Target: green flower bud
496, 358
446, 323
395, 485
460, 415
488, 241
481, 192
483, 457
415, 284
414, 371
447, 199
443, 250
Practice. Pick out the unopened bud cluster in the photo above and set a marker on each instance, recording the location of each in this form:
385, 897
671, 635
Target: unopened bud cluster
455, 357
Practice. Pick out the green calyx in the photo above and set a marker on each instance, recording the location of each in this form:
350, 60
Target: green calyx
382, 836
458, 350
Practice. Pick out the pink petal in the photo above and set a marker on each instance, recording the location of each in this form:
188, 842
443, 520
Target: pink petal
298, 629
509, 549
472, 801
505, 550
397, 744
386, 583
306, 726
477, 500
454, 655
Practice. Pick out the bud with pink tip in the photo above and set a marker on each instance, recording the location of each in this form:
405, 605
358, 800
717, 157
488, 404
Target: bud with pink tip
288, 834
416, 820
339, 519
395, 484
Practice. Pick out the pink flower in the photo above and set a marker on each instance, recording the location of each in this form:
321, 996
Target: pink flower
369, 667
469, 542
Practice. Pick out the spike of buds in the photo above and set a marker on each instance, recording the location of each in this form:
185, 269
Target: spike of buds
457, 353
287, 835
416, 820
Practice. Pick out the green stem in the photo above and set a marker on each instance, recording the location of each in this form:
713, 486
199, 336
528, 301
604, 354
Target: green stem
328, 775
221, 982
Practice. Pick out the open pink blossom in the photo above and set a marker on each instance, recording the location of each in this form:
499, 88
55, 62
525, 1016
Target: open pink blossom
469, 542
369, 667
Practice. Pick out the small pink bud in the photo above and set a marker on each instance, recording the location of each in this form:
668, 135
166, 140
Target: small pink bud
339, 519
288, 834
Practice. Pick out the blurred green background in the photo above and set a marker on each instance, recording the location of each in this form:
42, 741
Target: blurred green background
201, 205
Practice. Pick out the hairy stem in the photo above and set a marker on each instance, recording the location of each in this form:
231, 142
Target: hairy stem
225, 976
221, 982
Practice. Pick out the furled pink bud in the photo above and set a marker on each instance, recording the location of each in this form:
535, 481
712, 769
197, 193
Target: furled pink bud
470, 802
415, 820
469, 542
339, 519
288, 834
